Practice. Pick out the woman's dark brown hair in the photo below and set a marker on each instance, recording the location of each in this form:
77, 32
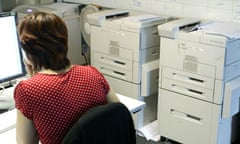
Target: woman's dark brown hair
44, 38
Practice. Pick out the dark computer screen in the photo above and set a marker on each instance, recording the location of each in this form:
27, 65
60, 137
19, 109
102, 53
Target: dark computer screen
11, 64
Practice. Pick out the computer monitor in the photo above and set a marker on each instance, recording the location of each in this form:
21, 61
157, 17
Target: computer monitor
11, 61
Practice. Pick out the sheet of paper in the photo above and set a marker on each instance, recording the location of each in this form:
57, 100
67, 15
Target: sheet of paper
150, 131
132, 104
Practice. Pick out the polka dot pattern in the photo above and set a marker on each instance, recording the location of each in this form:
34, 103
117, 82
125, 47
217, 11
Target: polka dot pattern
55, 102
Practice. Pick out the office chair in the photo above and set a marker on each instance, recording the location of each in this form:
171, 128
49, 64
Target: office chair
104, 124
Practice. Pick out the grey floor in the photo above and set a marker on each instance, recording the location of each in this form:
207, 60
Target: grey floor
141, 140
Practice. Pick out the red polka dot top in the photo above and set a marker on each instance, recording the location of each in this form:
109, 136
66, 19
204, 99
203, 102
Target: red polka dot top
54, 102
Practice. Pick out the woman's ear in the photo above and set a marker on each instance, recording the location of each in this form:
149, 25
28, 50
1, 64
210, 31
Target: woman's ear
25, 58
28, 64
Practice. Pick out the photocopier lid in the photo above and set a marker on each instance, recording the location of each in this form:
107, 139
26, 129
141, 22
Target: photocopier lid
229, 30
124, 18
224, 30
61, 9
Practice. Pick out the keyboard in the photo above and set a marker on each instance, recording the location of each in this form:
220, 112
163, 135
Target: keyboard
7, 120
7, 99
7, 105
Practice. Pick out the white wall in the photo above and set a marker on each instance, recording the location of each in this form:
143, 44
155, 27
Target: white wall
20, 2
224, 10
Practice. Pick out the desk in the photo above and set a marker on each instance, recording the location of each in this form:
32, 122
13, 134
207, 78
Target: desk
9, 135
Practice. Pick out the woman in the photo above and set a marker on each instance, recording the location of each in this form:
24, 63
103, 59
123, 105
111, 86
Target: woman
58, 93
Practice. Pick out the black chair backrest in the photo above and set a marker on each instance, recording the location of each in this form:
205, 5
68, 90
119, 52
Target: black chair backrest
105, 124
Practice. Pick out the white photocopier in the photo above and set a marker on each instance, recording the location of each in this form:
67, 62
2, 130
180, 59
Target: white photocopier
199, 81
70, 14
125, 48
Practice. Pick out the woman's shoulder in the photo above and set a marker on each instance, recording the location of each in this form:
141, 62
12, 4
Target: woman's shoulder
85, 68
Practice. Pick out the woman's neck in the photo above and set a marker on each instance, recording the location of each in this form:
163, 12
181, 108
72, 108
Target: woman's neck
50, 71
